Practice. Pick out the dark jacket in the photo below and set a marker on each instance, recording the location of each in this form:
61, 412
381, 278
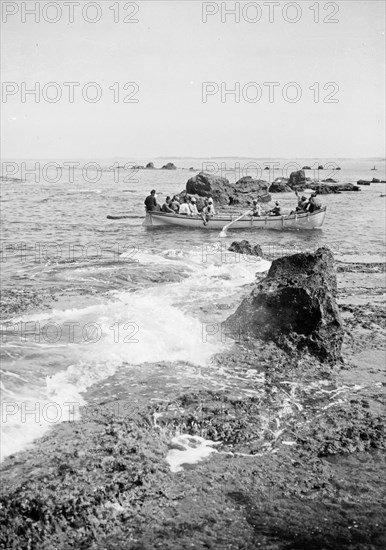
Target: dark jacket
150, 203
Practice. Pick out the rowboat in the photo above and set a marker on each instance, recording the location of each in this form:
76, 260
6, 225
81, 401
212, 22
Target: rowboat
303, 220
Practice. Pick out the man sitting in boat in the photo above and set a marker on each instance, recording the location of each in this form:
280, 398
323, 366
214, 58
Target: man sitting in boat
256, 209
193, 206
302, 203
166, 206
184, 208
175, 204
276, 210
209, 207
151, 201
314, 203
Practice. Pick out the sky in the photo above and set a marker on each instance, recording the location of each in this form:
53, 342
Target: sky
334, 108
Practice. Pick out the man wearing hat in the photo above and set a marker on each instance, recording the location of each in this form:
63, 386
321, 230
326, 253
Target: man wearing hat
276, 210
256, 208
193, 206
209, 208
314, 203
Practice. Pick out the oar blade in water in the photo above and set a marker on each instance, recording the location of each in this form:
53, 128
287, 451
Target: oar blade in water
224, 229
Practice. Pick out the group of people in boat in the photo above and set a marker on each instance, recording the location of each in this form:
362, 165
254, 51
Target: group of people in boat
187, 206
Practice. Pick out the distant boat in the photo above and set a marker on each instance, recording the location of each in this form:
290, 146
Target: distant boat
374, 168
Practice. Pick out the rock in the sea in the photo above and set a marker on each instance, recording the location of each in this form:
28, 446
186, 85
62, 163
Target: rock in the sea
244, 247
248, 188
208, 185
224, 193
375, 180
306, 168
297, 178
280, 185
295, 305
329, 180
326, 188
150, 166
363, 182
169, 166
320, 167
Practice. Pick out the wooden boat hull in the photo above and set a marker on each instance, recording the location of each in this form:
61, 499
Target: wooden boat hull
295, 221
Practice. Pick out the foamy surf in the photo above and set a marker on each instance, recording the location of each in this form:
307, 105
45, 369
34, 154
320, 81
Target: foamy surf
187, 449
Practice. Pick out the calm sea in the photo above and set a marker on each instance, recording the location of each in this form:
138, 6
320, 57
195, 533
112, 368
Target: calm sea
126, 296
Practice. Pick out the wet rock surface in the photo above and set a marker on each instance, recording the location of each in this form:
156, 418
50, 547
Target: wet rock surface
295, 303
282, 477
300, 463
244, 247
280, 186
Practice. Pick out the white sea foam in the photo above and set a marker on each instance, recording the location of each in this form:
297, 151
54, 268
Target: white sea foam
152, 325
188, 449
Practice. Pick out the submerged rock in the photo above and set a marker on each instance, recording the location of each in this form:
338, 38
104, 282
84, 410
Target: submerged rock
244, 247
295, 304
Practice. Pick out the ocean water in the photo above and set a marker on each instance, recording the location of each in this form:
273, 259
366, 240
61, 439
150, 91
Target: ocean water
126, 296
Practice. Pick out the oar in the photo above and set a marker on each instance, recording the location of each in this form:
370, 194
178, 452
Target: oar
117, 217
226, 227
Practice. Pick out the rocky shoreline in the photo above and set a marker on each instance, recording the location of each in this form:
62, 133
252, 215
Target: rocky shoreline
297, 464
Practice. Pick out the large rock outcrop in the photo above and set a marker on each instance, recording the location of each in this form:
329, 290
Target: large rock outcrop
224, 193
295, 305
280, 185
169, 166
297, 178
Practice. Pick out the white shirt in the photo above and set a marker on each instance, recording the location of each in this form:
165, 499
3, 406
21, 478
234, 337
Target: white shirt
193, 209
209, 209
184, 209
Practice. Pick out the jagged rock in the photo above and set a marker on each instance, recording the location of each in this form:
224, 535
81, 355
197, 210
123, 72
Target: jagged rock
280, 185
150, 166
224, 193
295, 305
169, 166
248, 188
208, 185
244, 247
326, 188
297, 178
